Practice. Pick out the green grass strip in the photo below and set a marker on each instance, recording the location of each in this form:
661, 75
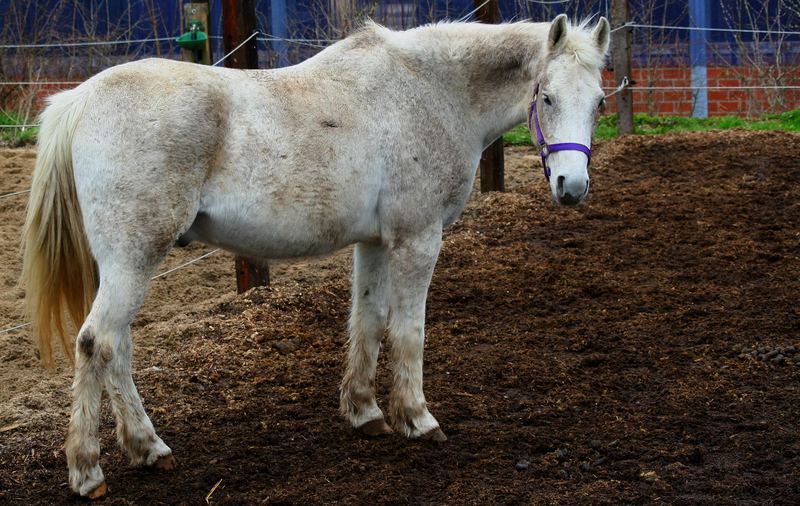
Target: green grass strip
16, 136
654, 125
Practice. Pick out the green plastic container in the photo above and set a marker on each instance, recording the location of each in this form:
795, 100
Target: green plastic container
194, 40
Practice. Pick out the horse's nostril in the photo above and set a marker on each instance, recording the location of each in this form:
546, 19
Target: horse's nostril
560, 185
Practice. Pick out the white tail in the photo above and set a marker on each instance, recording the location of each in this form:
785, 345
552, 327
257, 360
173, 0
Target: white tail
58, 270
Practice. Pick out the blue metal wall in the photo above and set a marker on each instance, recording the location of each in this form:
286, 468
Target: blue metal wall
61, 21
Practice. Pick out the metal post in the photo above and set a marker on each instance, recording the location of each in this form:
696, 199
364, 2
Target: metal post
279, 27
492, 170
238, 23
699, 14
621, 60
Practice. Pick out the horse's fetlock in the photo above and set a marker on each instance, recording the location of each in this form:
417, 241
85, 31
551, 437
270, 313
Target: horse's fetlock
81, 455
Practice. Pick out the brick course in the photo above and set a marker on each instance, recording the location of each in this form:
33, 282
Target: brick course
720, 102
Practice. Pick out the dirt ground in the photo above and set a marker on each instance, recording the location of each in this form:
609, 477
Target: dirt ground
638, 349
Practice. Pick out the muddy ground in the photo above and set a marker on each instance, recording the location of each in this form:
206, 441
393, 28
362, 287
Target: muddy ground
626, 351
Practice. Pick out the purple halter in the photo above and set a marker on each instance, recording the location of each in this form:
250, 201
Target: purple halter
544, 148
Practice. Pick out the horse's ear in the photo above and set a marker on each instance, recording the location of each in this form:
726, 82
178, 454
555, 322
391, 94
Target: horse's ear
602, 35
558, 32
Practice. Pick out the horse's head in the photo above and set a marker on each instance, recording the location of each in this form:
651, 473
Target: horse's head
566, 99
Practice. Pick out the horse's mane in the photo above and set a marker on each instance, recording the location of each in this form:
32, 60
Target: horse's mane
578, 40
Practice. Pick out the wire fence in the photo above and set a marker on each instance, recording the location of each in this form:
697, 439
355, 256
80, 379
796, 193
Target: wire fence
267, 37
319, 43
157, 276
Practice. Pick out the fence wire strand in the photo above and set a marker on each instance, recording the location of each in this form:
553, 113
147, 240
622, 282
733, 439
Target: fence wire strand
181, 266
245, 41
158, 276
37, 83
708, 29
13, 194
87, 43
473, 11
15, 327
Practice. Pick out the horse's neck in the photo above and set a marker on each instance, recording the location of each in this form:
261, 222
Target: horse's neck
490, 67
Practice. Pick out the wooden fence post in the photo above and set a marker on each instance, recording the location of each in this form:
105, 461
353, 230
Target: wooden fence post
239, 23
492, 171
250, 273
621, 54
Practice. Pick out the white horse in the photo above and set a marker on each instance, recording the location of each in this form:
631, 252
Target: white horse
374, 141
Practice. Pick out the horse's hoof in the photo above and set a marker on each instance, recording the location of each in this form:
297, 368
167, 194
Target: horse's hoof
165, 463
436, 435
375, 428
98, 492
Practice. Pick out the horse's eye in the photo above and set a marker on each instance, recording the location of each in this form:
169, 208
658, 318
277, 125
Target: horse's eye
547, 100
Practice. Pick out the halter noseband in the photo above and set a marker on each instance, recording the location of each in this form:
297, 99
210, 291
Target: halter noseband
544, 148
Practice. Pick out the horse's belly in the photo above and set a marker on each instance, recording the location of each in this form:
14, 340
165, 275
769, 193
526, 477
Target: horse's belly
285, 227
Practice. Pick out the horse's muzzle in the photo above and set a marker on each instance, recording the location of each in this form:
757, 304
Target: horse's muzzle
571, 191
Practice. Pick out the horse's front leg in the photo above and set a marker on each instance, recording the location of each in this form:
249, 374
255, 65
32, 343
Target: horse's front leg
368, 318
411, 263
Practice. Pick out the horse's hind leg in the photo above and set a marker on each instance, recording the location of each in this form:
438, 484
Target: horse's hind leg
103, 359
368, 318
411, 263
82, 446
135, 432
102, 354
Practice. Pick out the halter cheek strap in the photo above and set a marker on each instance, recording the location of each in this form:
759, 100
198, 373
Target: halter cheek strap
544, 148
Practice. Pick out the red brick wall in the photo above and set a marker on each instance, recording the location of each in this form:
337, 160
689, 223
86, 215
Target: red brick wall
720, 102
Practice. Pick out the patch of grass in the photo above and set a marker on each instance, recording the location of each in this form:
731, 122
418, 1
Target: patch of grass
517, 136
15, 136
654, 125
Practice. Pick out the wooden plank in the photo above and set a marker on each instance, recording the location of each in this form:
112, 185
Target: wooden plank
621, 60
491, 166
197, 11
